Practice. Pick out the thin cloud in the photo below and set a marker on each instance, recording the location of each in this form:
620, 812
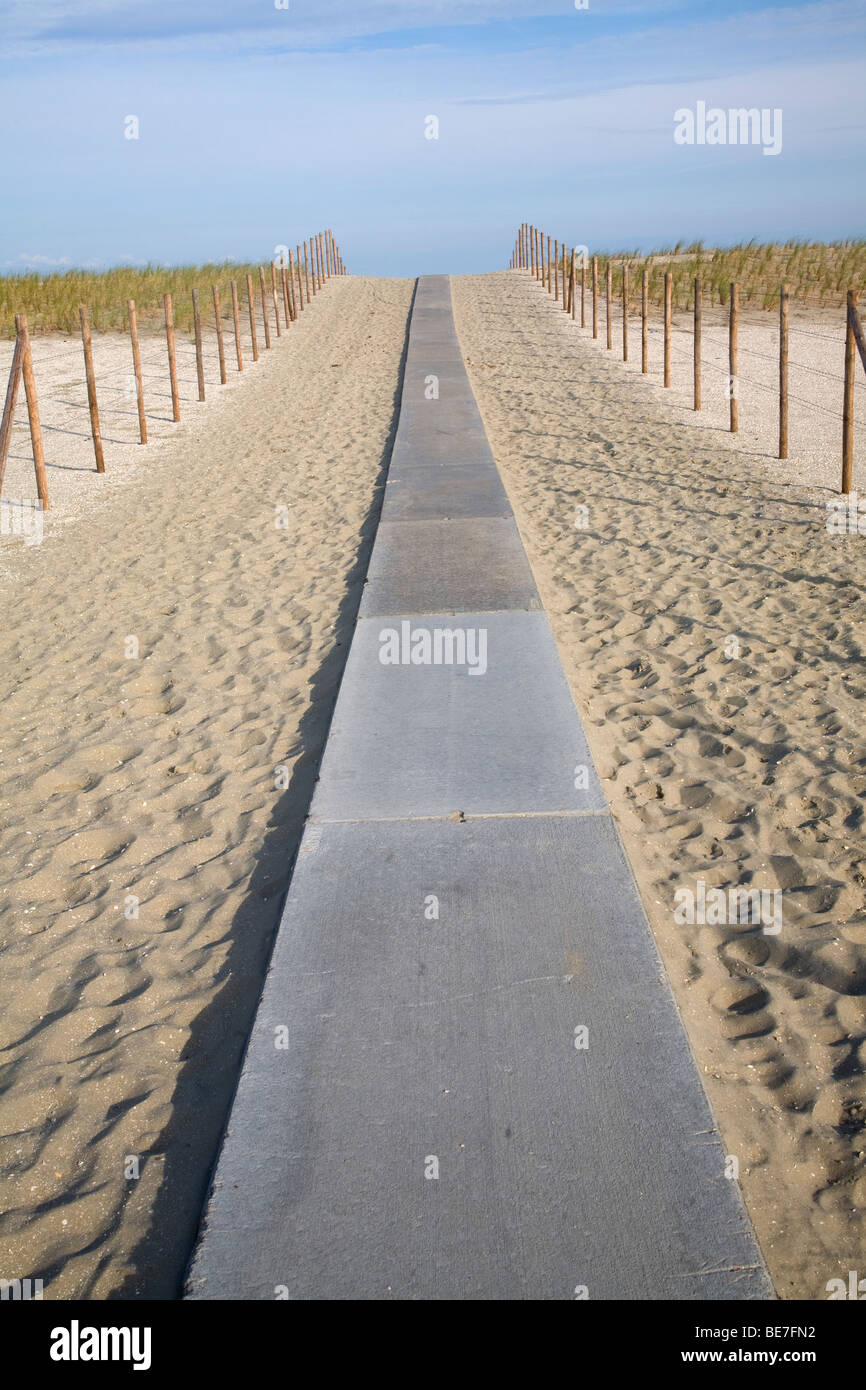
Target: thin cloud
33, 258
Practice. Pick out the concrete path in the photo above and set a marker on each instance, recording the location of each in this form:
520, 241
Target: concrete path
467, 1078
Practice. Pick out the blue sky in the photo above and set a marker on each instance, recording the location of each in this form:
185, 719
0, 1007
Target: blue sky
258, 125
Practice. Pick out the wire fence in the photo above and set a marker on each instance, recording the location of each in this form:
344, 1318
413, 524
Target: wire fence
282, 294
574, 277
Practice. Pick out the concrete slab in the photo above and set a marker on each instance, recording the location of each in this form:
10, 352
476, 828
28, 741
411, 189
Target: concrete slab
430, 439
418, 740
425, 494
433, 292
447, 566
418, 1046
425, 373
433, 327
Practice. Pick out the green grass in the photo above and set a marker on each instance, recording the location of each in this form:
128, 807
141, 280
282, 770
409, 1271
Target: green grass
51, 302
818, 274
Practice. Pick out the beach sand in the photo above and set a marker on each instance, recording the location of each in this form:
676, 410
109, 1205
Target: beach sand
146, 836
747, 769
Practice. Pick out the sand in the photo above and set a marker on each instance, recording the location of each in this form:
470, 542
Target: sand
146, 838
743, 770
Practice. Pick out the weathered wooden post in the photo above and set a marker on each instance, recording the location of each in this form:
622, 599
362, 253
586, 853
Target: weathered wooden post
32, 411
136, 367
783, 372
172, 360
237, 326
733, 385
697, 345
199, 359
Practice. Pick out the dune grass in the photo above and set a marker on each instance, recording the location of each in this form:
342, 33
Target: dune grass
818, 274
52, 302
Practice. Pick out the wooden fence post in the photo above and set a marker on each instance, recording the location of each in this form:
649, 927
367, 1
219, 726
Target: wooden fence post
300, 283
287, 303
9, 407
783, 372
275, 298
573, 287
136, 367
697, 345
669, 280
624, 312
848, 396
252, 302
237, 326
595, 296
265, 324
608, 284
172, 360
199, 357
556, 270
95, 431
583, 289
307, 269
732, 358
219, 332
549, 283
290, 281
644, 344
33, 411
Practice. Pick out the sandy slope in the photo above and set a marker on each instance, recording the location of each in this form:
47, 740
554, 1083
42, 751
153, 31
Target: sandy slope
748, 770
153, 777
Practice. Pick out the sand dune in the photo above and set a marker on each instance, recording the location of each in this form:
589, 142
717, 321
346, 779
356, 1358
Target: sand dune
152, 778
742, 770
